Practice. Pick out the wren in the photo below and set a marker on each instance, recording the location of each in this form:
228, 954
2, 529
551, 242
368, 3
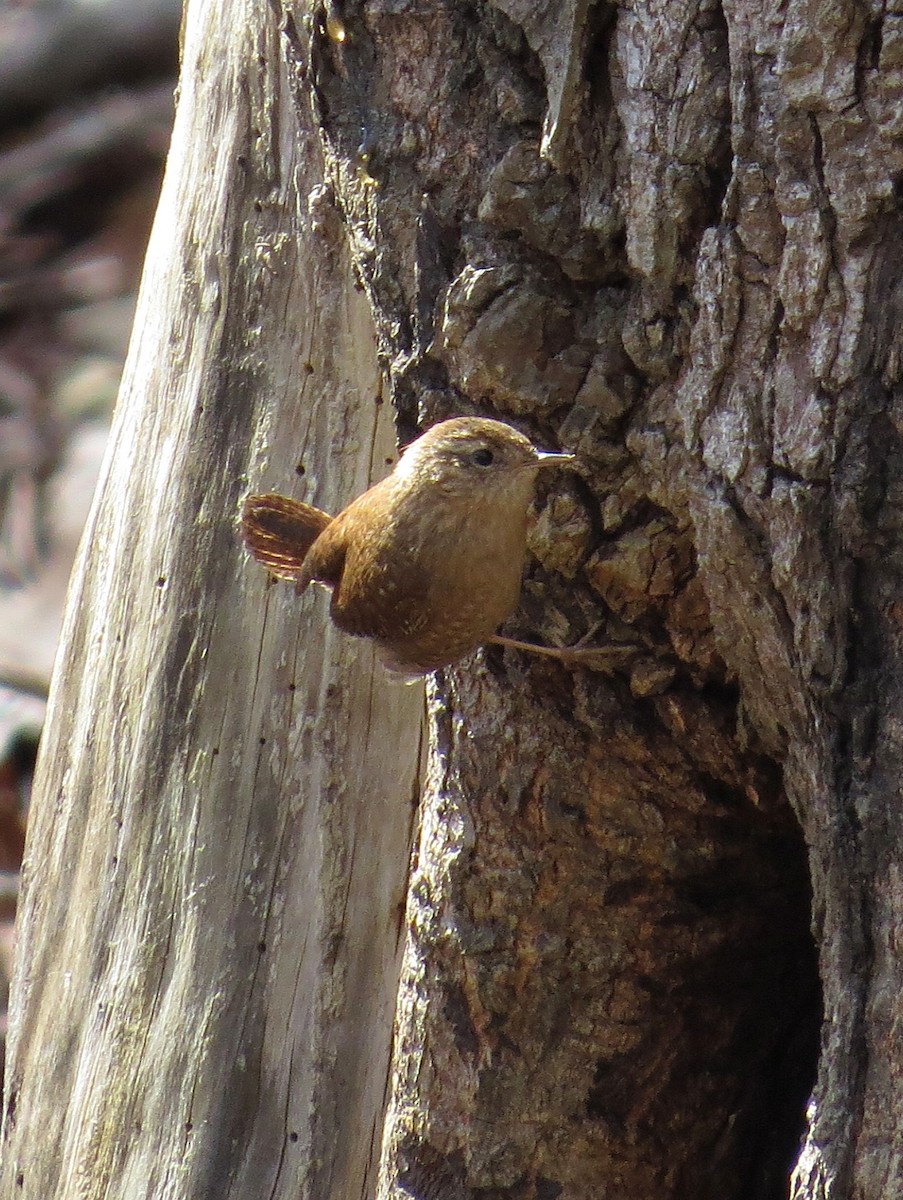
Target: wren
426, 563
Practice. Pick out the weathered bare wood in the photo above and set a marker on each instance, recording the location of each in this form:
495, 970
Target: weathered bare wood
220, 832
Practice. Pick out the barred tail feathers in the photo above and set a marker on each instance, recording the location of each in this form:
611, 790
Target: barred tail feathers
279, 532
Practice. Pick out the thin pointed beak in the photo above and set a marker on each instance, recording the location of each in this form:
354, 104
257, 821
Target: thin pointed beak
548, 459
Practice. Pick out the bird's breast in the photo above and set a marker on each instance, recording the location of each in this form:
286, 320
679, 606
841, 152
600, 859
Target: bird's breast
431, 590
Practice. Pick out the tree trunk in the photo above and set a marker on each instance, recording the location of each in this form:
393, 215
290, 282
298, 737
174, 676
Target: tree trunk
665, 236
219, 841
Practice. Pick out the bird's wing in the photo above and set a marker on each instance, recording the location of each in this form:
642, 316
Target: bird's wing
279, 532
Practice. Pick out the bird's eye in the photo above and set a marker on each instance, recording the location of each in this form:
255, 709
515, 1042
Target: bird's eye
483, 457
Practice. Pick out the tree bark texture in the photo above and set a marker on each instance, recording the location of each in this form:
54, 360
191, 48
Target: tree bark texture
219, 841
666, 236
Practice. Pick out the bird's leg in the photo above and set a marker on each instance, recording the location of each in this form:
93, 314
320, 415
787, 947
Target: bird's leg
578, 654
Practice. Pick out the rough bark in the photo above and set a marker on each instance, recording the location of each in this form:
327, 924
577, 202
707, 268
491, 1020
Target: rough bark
666, 236
219, 840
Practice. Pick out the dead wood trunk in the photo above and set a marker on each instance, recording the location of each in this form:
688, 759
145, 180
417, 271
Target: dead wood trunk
218, 847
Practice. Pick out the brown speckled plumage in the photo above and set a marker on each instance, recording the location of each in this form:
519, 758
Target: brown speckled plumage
428, 562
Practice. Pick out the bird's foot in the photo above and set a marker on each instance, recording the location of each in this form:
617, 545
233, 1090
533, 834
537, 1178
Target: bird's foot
580, 654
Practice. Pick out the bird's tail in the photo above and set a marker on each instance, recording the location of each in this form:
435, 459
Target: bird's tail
279, 532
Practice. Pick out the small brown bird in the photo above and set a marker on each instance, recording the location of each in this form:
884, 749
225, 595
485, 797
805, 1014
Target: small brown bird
428, 562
